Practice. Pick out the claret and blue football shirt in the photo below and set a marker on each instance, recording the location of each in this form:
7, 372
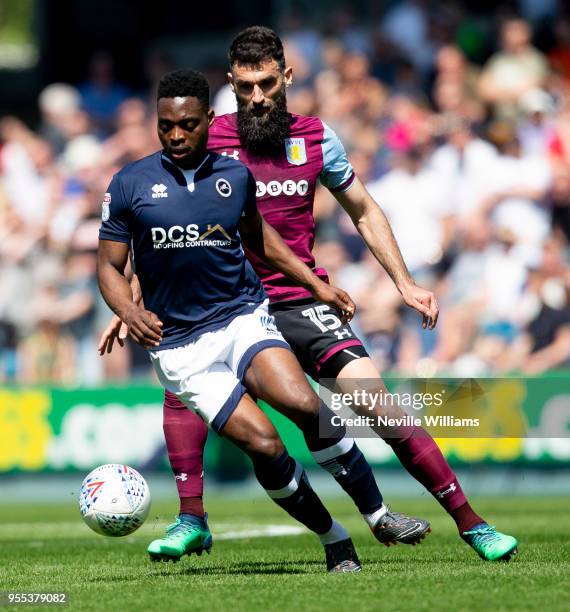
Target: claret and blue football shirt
286, 184
187, 251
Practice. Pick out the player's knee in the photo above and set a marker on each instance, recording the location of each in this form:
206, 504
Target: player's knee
265, 442
304, 406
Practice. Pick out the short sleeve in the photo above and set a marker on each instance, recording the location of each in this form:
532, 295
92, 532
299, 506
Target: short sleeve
337, 173
250, 205
116, 214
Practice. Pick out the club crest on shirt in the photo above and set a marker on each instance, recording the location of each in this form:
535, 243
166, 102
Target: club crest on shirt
106, 211
223, 187
296, 152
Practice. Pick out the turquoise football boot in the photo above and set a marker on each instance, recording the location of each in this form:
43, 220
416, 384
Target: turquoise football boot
189, 534
490, 544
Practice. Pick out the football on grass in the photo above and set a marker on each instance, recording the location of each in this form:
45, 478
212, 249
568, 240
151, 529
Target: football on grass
114, 500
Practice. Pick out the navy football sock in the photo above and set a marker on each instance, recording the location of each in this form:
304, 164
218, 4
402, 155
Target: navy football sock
286, 483
342, 458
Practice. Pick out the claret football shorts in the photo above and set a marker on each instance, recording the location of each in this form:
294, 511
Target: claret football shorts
207, 374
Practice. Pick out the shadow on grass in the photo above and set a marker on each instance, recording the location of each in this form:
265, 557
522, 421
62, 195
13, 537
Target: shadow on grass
241, 568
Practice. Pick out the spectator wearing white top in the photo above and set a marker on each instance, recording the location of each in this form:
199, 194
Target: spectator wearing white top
516, 69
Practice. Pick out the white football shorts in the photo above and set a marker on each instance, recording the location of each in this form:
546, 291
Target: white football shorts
207, 374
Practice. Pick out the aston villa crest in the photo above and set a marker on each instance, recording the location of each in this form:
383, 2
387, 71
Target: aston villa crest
296, 152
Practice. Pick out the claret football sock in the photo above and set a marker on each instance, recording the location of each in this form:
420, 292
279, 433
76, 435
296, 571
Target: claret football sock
185, 434
192, 505
341, 457
466, 518
286, 483
420, 455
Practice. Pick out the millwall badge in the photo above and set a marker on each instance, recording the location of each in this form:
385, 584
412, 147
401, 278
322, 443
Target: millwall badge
296, 153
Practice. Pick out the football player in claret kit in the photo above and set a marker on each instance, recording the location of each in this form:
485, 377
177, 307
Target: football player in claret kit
287, 154
204, 316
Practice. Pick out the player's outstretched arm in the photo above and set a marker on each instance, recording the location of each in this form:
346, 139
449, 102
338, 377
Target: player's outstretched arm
376, 232
266, 243
144, 326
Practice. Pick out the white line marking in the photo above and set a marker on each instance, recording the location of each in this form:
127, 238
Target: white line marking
223, 531
269, 531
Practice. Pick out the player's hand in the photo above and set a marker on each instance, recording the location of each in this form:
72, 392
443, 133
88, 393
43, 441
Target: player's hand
335, 298
116, 330
424, 302
145, 328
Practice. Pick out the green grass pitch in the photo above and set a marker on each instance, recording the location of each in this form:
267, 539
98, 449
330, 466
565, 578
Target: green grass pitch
50, 549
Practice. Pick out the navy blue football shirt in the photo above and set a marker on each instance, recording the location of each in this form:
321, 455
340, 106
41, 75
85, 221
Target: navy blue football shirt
183, 226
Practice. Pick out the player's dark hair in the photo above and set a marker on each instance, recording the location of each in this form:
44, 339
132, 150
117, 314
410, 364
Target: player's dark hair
254, 45
185, 83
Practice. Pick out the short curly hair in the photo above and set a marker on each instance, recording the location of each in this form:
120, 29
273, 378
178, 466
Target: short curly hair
255, 45
185, 83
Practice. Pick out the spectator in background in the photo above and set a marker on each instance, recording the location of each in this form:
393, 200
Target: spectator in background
79, 166
62, 116
76, 299
559, 55
31, 181
511, 72
406, 25
455, 84
419, 209
545, 343
101, 94
520, 184
560, 143
47, 354
465, 163
133, 137
560, 203
535, 127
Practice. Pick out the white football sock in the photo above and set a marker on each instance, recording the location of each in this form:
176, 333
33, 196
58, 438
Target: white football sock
336, 533
373, 518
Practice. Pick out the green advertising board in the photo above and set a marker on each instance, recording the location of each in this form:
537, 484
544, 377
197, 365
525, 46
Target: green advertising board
75, 429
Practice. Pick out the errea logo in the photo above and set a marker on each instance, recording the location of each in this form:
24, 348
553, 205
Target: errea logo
159, 191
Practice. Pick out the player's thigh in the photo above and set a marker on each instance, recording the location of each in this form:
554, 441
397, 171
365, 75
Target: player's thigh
249, 428
264, 362
319, 339
276, 377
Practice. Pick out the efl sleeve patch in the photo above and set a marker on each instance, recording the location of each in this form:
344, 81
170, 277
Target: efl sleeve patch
115, 214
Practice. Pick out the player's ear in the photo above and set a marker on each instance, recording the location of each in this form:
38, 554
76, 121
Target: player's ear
211, 115
230, 78
288, 76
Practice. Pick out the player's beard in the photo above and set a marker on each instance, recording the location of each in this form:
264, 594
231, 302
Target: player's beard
264, 135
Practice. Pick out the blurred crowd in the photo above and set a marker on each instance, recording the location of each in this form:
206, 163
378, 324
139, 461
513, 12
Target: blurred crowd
460, 128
